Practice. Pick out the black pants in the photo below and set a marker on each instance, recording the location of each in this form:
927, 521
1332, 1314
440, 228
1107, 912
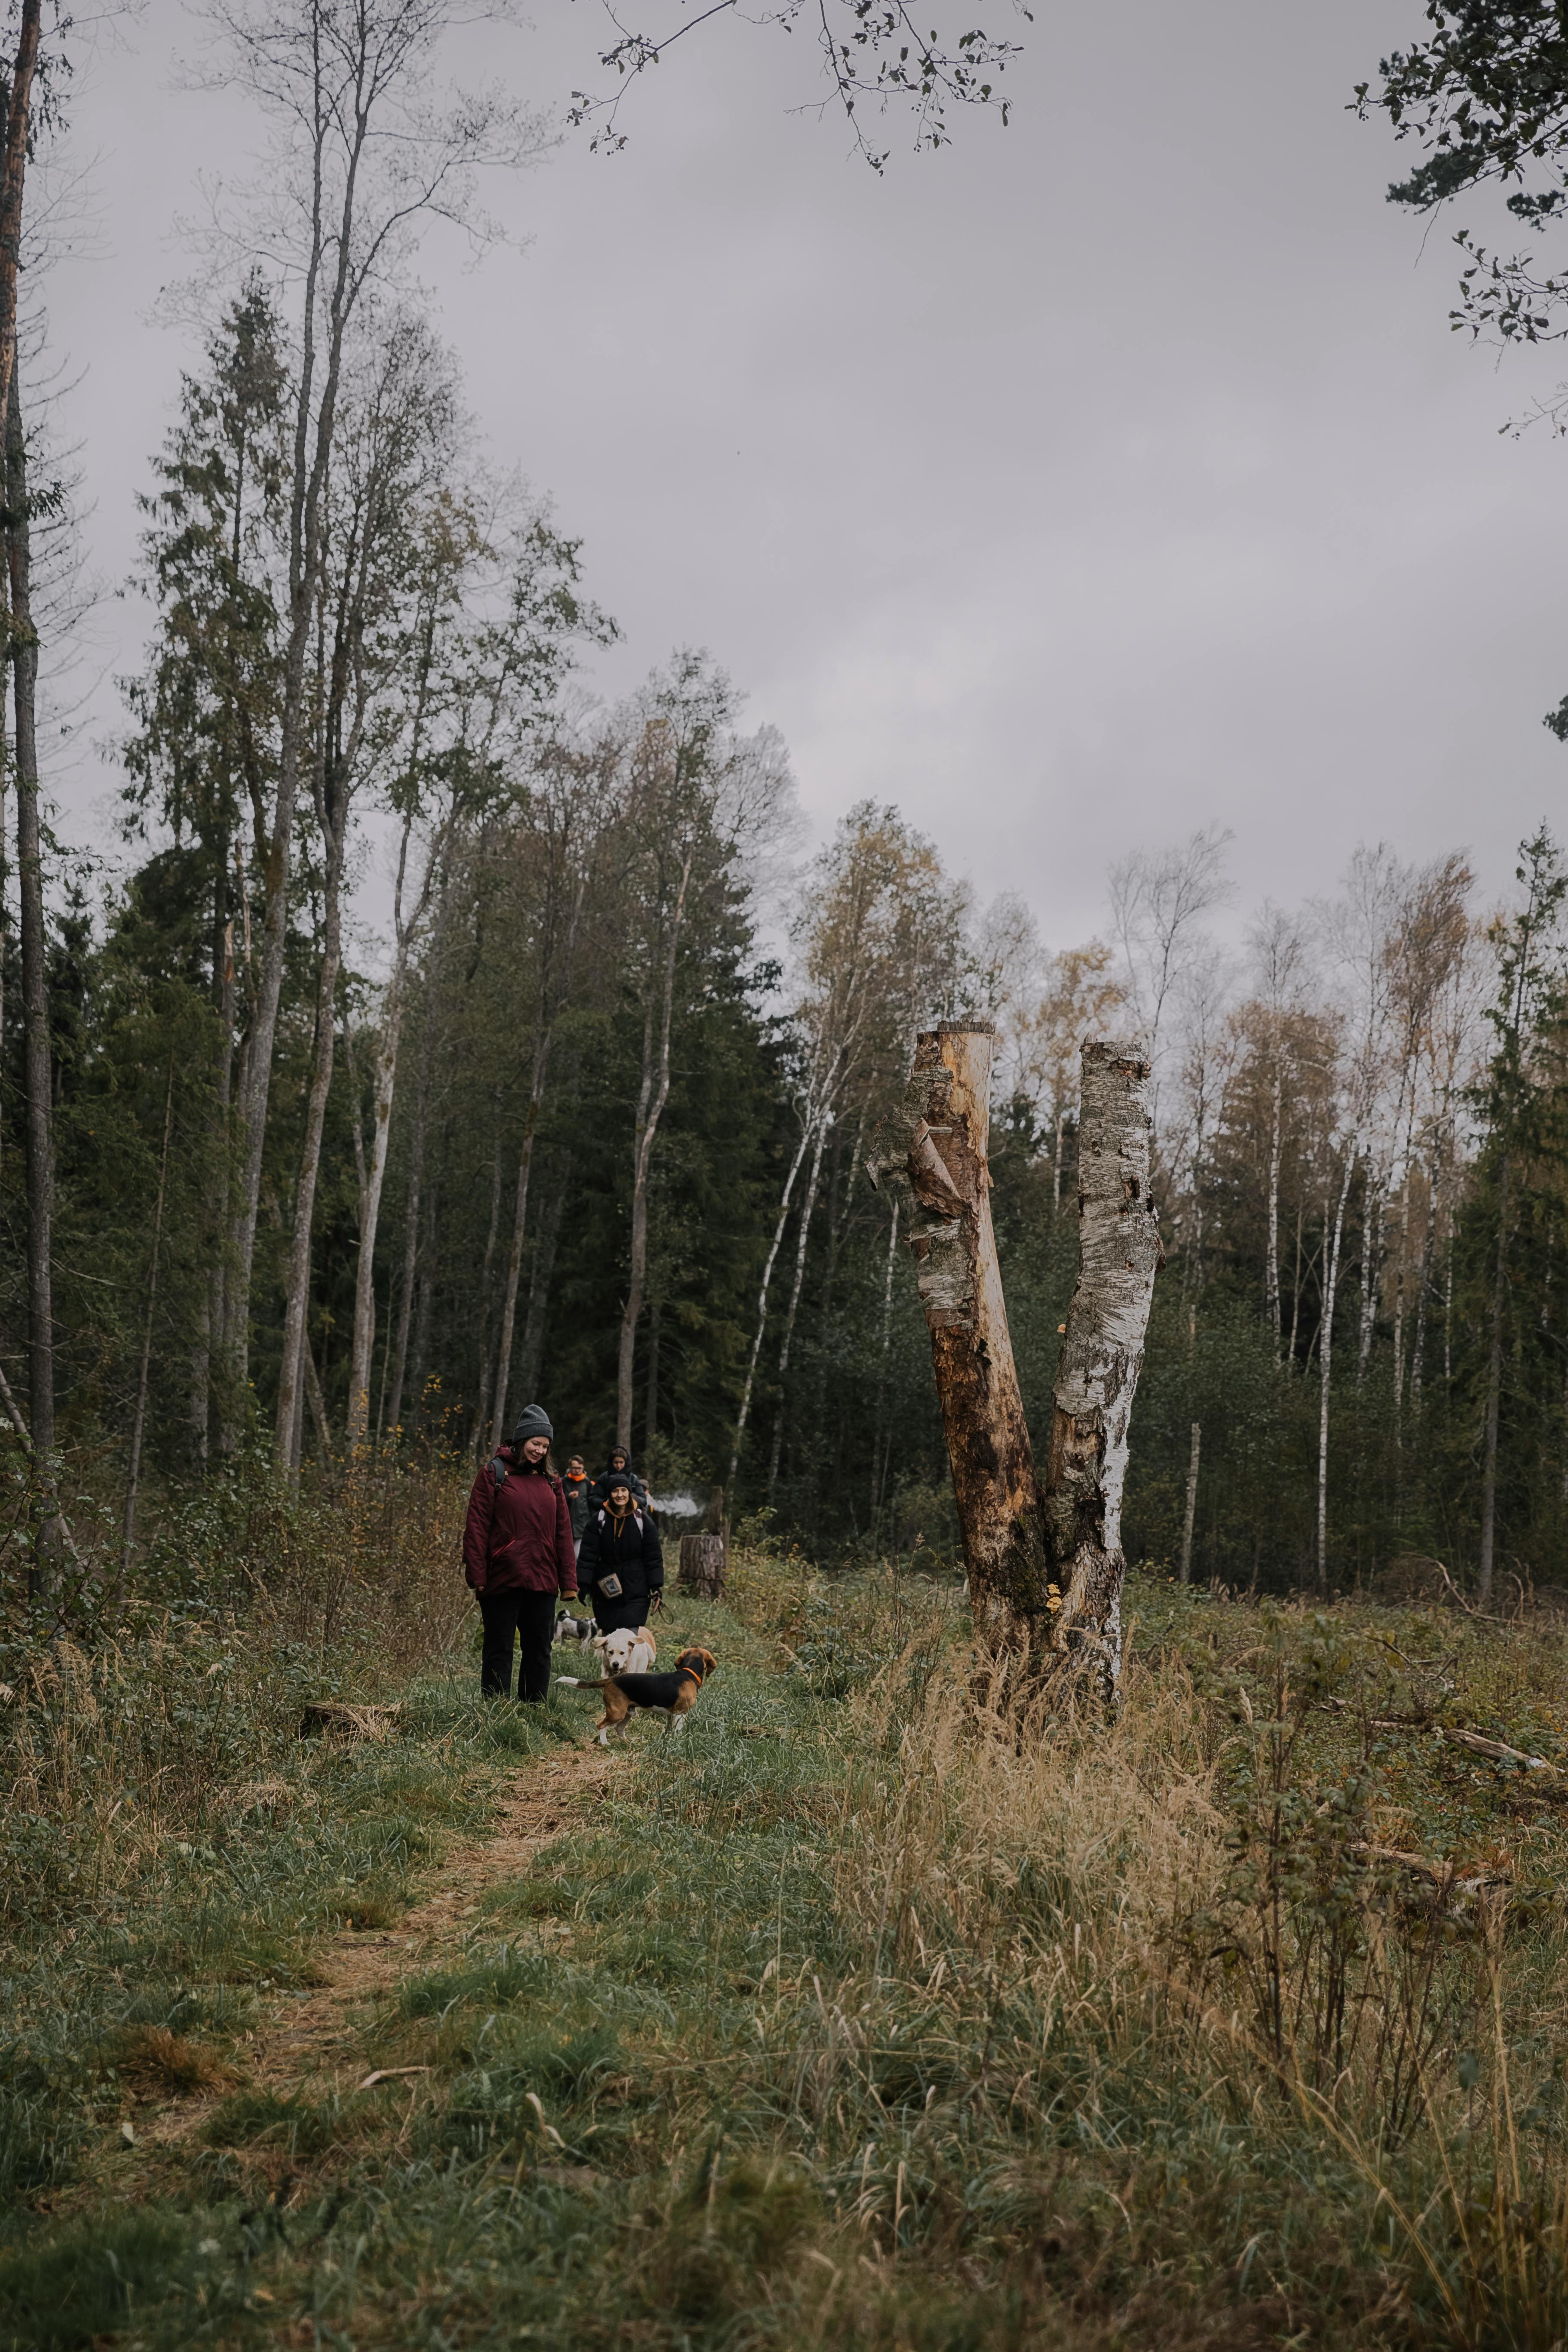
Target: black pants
532, 1617
611, 1615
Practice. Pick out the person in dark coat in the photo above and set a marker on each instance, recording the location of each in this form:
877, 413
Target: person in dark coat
579, 1497
622, 1542
518, 1558
620, 1461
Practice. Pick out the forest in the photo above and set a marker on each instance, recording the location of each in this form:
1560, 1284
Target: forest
585, 1118
450, 1037
1081, 1864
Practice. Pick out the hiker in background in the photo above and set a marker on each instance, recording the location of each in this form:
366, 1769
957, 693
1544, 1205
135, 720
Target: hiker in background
621, 1463
621, 1564
579, 1498
517, 1557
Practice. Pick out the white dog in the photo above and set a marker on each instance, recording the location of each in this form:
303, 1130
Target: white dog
629, 1649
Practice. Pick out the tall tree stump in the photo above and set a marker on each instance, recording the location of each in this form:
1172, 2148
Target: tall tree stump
704, 1562
1045, 1564
1120, 1254
932, 1153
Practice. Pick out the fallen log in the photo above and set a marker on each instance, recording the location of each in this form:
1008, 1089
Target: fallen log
1476, 1742
1444, 1875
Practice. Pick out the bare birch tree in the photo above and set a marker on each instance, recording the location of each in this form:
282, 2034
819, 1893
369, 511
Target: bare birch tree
359, 158
1158, 901
877, 935
699, 799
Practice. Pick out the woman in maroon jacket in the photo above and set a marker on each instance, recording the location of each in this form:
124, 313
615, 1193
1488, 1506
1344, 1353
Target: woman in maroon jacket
517, 1555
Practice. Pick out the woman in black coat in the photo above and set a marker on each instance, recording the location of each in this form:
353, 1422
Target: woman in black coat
622, 1543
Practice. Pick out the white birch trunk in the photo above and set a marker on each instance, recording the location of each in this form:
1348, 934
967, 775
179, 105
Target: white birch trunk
808, 1211
652, 1096
1271, 1274
1190, 1515
1101, 1357
771, 1259
1325, 1363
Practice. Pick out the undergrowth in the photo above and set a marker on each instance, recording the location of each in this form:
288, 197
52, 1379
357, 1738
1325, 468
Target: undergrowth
878, 2008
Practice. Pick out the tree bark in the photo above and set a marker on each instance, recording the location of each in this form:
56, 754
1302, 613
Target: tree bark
139, 1420
296, 1296
388, 1040
13, 181
1325, 1363
37, 1056
702, 1563
532, 1355
518, 1234
1271, 1274
384, 1083
650, 1425
411, 1212
1190, 1515
331, 247
652, 1096
1494, 1394
808, 1211
1424, 1282
769, 1262
1120, 1255
932, 1156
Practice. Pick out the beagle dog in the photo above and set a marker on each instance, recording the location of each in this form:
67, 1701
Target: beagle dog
673, 1695
580, 1630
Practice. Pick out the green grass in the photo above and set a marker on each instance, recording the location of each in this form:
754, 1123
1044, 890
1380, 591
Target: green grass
869, 2011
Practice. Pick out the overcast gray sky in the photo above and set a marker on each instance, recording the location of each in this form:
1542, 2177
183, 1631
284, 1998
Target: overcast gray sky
1082, 484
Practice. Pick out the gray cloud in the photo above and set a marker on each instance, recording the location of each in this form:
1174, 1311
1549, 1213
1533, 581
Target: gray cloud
1073, 488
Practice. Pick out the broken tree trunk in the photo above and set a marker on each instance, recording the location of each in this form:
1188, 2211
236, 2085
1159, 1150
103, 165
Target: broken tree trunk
932, 1155
1101, 1357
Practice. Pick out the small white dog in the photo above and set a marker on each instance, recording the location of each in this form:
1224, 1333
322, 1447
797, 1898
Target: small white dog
629, 1649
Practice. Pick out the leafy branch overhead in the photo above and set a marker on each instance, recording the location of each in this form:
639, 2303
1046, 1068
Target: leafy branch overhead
869, 49
1486, 97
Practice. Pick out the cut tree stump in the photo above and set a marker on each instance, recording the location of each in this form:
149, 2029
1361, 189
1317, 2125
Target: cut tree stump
704, 1563
333, 1719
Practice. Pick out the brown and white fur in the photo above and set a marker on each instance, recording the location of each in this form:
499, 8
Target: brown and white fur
673, 1696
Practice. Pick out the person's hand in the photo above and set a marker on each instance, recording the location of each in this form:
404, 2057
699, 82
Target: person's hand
656, 1598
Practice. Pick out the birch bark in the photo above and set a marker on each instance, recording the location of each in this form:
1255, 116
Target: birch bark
38, 1060
652, 1095
1325, 1366
1101, 1357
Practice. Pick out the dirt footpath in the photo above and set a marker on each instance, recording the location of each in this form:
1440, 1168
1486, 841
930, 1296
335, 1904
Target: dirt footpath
312, 2038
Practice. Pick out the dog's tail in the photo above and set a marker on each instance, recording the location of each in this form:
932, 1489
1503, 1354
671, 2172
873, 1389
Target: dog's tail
574, 1682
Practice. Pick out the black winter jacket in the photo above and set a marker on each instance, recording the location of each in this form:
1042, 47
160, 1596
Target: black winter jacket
599, 1492
628, 1549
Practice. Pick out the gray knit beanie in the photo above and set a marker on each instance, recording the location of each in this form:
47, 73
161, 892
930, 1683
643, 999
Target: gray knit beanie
533, 1422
